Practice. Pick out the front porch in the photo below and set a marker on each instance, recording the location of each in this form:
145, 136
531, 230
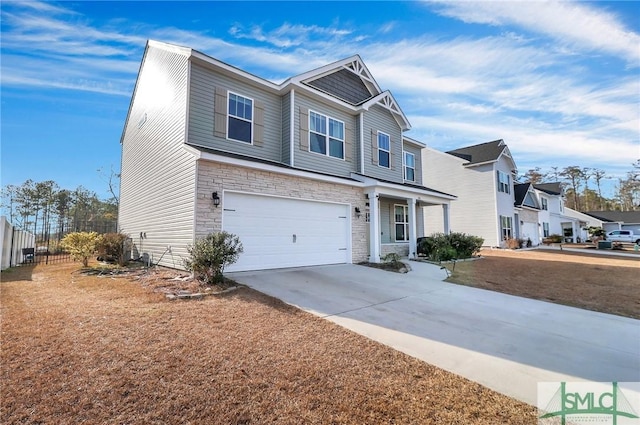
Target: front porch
395, 216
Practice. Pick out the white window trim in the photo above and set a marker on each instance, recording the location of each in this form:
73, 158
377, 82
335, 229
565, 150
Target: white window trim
405, 216
383, 150
546, 232
503, 227
327, 136
404, 166
506, 185
253, 114
544, 203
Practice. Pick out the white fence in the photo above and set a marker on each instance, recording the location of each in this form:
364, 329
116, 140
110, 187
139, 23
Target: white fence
13, 241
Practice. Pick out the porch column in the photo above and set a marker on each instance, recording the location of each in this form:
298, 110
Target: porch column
445, 215
412, 227
374, 227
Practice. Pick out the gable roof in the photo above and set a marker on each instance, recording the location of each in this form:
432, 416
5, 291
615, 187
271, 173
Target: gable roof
628, 217
482, 153
520, 192
554, 188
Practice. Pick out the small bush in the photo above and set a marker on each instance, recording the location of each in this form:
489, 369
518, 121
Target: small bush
441, 247
555, 238
513, 243
111, 247
81, 245
211, 254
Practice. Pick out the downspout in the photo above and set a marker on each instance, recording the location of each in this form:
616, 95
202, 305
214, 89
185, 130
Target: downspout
361, 142
292, 121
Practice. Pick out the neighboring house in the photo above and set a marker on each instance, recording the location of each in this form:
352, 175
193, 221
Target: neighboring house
585, 221
541, 213
552, 217
481, 176
617, 220
315, 170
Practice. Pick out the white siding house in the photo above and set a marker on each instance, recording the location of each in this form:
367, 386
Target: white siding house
481, 176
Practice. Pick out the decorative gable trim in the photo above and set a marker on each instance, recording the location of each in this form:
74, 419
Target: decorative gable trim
388, 102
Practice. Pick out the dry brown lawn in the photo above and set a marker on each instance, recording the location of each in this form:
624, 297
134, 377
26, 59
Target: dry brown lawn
109, 350
595, 282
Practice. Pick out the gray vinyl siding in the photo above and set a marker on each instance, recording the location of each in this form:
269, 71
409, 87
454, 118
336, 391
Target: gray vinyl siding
204, 83
379, 119
416, 151
324, 163
157, 187
286, 128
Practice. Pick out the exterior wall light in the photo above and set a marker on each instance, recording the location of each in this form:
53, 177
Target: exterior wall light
358, 213
216, 199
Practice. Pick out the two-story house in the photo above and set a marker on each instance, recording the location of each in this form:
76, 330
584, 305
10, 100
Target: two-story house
481, 176
541, 213
315, 170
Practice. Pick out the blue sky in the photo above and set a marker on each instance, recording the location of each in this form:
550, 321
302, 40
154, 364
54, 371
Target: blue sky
559, 82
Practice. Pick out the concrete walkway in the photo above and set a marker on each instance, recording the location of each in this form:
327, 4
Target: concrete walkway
504, 342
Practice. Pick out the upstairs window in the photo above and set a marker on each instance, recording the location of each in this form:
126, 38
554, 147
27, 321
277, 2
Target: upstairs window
384, 150
504, 184
409, 167
545, 203
240, 118
326, 135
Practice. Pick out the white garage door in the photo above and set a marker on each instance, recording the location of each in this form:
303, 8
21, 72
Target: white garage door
530, 230
282, 232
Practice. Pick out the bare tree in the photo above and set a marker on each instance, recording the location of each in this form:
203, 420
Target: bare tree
598, 175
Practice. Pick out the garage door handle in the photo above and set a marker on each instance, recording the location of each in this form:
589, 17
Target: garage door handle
294, 238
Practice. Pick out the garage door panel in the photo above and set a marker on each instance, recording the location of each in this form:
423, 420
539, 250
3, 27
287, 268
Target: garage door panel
267, 225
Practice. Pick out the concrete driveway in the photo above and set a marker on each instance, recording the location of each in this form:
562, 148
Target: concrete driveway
504, 342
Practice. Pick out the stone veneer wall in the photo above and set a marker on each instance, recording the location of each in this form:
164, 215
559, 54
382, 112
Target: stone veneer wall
402, 249
216, 177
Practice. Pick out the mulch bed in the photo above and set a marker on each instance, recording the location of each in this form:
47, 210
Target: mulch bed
109, 349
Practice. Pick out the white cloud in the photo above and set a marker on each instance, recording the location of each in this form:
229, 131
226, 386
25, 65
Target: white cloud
570, 23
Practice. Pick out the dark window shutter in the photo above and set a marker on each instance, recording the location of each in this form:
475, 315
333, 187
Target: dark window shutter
220, 113
304, 129
374, 147
258, 123
348, 144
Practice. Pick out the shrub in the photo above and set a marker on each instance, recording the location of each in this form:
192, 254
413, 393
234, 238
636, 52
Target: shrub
555, 238
441, 247
513, 243
111, 247
211, 254
81, 245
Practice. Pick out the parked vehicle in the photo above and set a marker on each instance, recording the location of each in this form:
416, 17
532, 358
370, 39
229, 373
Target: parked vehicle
624, 236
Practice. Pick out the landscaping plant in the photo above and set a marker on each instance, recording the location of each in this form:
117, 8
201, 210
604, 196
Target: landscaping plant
441, 247
111, 247
209, 256
81, 245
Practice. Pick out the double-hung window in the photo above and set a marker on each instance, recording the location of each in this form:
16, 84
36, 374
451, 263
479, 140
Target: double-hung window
402, 222
506, 227
545, 203
504, 184
384, 150
409, 167
326, 135
545, 230
240, 118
